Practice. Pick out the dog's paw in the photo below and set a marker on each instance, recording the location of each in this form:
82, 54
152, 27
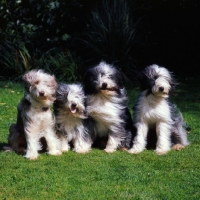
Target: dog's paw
7, 149
178, 147
82, 151
55, 152
109, 150
134, 151
32, 156
160, 151
65, 149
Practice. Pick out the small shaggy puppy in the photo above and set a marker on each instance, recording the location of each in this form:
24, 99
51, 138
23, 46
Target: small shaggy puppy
34, 118
70, 113
154, 113
107, 105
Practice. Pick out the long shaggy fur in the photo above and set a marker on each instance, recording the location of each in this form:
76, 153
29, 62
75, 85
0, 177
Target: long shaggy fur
34, 117
70, 113
107, 106
153, 113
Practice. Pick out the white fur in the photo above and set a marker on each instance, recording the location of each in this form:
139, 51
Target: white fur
153, 110
70, 125
37, 122
107, 104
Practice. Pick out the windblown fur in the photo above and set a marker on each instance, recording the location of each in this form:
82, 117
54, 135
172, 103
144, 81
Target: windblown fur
34, 117
107, 106
70, 113
153, 113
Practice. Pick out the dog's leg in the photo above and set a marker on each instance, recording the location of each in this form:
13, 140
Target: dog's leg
163, 134
83, 141
139, 142
112, 144
32, 146
53, 143
64, 144
81, 145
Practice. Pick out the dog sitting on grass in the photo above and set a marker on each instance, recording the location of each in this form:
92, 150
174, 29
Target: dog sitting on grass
70, 113
34, 118
107, 106
154, 114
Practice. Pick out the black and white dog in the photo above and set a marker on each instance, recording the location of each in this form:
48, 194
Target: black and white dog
70, 112
107, 106
154, 113
35, 126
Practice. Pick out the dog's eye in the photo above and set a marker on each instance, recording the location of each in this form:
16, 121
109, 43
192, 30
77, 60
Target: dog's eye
110, 77
36, 82
102, 74
155, 77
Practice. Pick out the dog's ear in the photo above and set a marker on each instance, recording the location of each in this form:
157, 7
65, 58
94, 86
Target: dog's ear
89, 79
120, 77
53, 82
27, 80
143, 80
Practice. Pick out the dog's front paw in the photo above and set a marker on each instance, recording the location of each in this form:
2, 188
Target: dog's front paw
55, 152
83, 151
134, 151
178, 147
109, 150
161, 151
31, 156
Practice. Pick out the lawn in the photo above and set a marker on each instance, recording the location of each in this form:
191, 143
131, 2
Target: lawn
98, 175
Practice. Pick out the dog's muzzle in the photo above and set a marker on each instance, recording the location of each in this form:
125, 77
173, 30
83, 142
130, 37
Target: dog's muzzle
161, 89
104, 86
73, 107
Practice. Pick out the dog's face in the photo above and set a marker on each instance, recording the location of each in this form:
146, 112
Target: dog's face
157, 80
70, 98
103, 79
41, 86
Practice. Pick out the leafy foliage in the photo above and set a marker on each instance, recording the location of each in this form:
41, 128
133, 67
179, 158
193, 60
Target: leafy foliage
111, 34
33, 26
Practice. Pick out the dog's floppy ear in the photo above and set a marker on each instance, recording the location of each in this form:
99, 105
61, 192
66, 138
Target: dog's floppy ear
89, 77
53, 82
120, 77
27, 80
143, 81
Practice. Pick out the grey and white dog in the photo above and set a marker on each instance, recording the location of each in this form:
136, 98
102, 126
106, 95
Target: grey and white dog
70, 112
153, 112
107, 106
34, 118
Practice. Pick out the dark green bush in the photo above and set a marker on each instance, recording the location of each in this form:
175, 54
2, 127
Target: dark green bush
111, 34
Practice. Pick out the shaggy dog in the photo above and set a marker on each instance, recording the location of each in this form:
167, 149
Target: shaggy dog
34, 117
107, 106
70, 113
154, 113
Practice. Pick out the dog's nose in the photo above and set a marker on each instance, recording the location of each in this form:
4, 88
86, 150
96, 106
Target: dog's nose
41, 93
161, 89
104, 85
73, 105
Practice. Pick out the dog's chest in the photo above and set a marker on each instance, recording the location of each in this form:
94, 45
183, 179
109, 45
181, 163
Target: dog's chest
40, 116
102, 110
152, 111
68, 124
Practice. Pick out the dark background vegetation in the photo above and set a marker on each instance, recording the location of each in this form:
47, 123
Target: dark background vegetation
67, 37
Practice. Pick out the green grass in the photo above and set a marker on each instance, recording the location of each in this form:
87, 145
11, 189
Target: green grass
98, 175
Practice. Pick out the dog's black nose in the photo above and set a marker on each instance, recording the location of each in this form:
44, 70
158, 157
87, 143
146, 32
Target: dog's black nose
73, 106
41, 94
161, 89
104, 85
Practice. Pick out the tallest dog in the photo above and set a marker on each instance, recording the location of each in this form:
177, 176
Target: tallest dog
107, 106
